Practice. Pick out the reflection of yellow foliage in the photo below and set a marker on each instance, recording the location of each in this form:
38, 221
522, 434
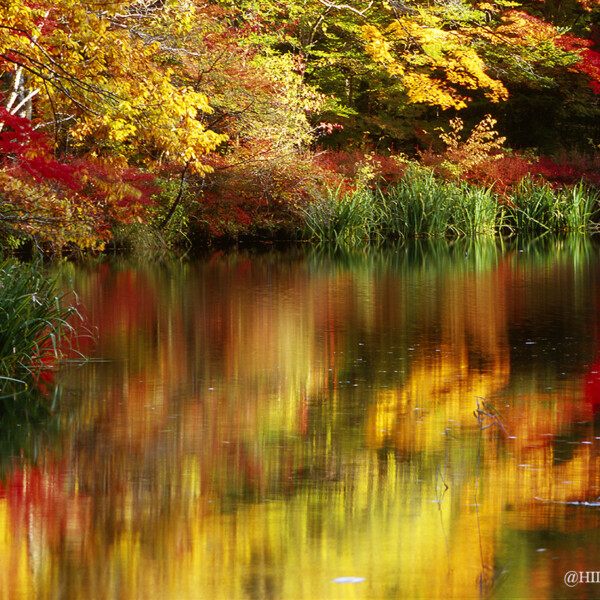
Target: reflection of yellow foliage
438, 395
380, 519
199, 472
472, 361
15, 575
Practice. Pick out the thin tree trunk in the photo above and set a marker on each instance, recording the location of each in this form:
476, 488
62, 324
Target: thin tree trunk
177, 200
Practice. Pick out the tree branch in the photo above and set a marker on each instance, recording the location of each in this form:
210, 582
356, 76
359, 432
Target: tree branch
25, 100
177, 200
361, 13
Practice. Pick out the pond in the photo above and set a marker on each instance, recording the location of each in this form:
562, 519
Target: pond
417, 422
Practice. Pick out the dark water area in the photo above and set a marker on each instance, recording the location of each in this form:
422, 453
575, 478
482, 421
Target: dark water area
417, 422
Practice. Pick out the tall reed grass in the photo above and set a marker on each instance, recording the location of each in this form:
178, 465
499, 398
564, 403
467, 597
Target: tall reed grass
344, 218
422, 205
419, 205
538, 207
33, 326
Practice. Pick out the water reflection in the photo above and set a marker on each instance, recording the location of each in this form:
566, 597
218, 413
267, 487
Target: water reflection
262, 425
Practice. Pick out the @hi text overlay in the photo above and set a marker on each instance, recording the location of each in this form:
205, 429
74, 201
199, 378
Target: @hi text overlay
573, 578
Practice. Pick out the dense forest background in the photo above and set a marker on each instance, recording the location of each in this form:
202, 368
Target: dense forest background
198, 119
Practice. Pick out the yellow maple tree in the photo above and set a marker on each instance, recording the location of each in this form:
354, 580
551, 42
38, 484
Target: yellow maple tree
88, 67
436, 65
444, 54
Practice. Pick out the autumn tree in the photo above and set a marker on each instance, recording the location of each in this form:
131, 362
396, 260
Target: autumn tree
85, 77
150, 87
398, 68
259, 100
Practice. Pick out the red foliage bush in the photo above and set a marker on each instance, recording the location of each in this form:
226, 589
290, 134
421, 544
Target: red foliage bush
29, 150
221, 213
570, 168
61, 200
505, 173
502, 174
344, 168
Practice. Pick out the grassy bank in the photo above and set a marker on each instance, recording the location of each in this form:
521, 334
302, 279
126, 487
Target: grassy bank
422, 205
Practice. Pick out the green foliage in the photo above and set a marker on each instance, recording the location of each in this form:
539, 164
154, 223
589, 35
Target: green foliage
580, 207
170, 213
344, 218
537, 207
423, 205
419, 205
167, 228
476, 210
33, 328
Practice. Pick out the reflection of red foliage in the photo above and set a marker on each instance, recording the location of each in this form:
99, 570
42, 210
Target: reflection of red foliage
126, 300
43, 494
44, 380
592, 389
43, 367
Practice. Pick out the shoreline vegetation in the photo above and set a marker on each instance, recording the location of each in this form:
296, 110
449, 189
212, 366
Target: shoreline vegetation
419, 204
415, 203
181, 124
36, 334
370, 199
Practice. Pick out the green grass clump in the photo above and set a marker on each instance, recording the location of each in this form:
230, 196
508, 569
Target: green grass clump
33, 326
537, 207
343, 218
423, 205
475, 210
419, 205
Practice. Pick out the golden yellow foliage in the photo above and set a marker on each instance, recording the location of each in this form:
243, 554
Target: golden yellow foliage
90, 66
436, 65
523, 29
379, 49
483, 143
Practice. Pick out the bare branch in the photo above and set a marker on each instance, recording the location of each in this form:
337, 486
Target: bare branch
362, 13
25, 100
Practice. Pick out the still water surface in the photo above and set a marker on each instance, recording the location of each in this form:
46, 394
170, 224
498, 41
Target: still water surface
305, 425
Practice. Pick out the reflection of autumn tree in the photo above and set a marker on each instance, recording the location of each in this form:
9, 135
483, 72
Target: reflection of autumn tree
465, 357
232, 444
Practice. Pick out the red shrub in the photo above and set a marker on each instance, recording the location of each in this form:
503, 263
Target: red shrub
346, 167
502, 174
